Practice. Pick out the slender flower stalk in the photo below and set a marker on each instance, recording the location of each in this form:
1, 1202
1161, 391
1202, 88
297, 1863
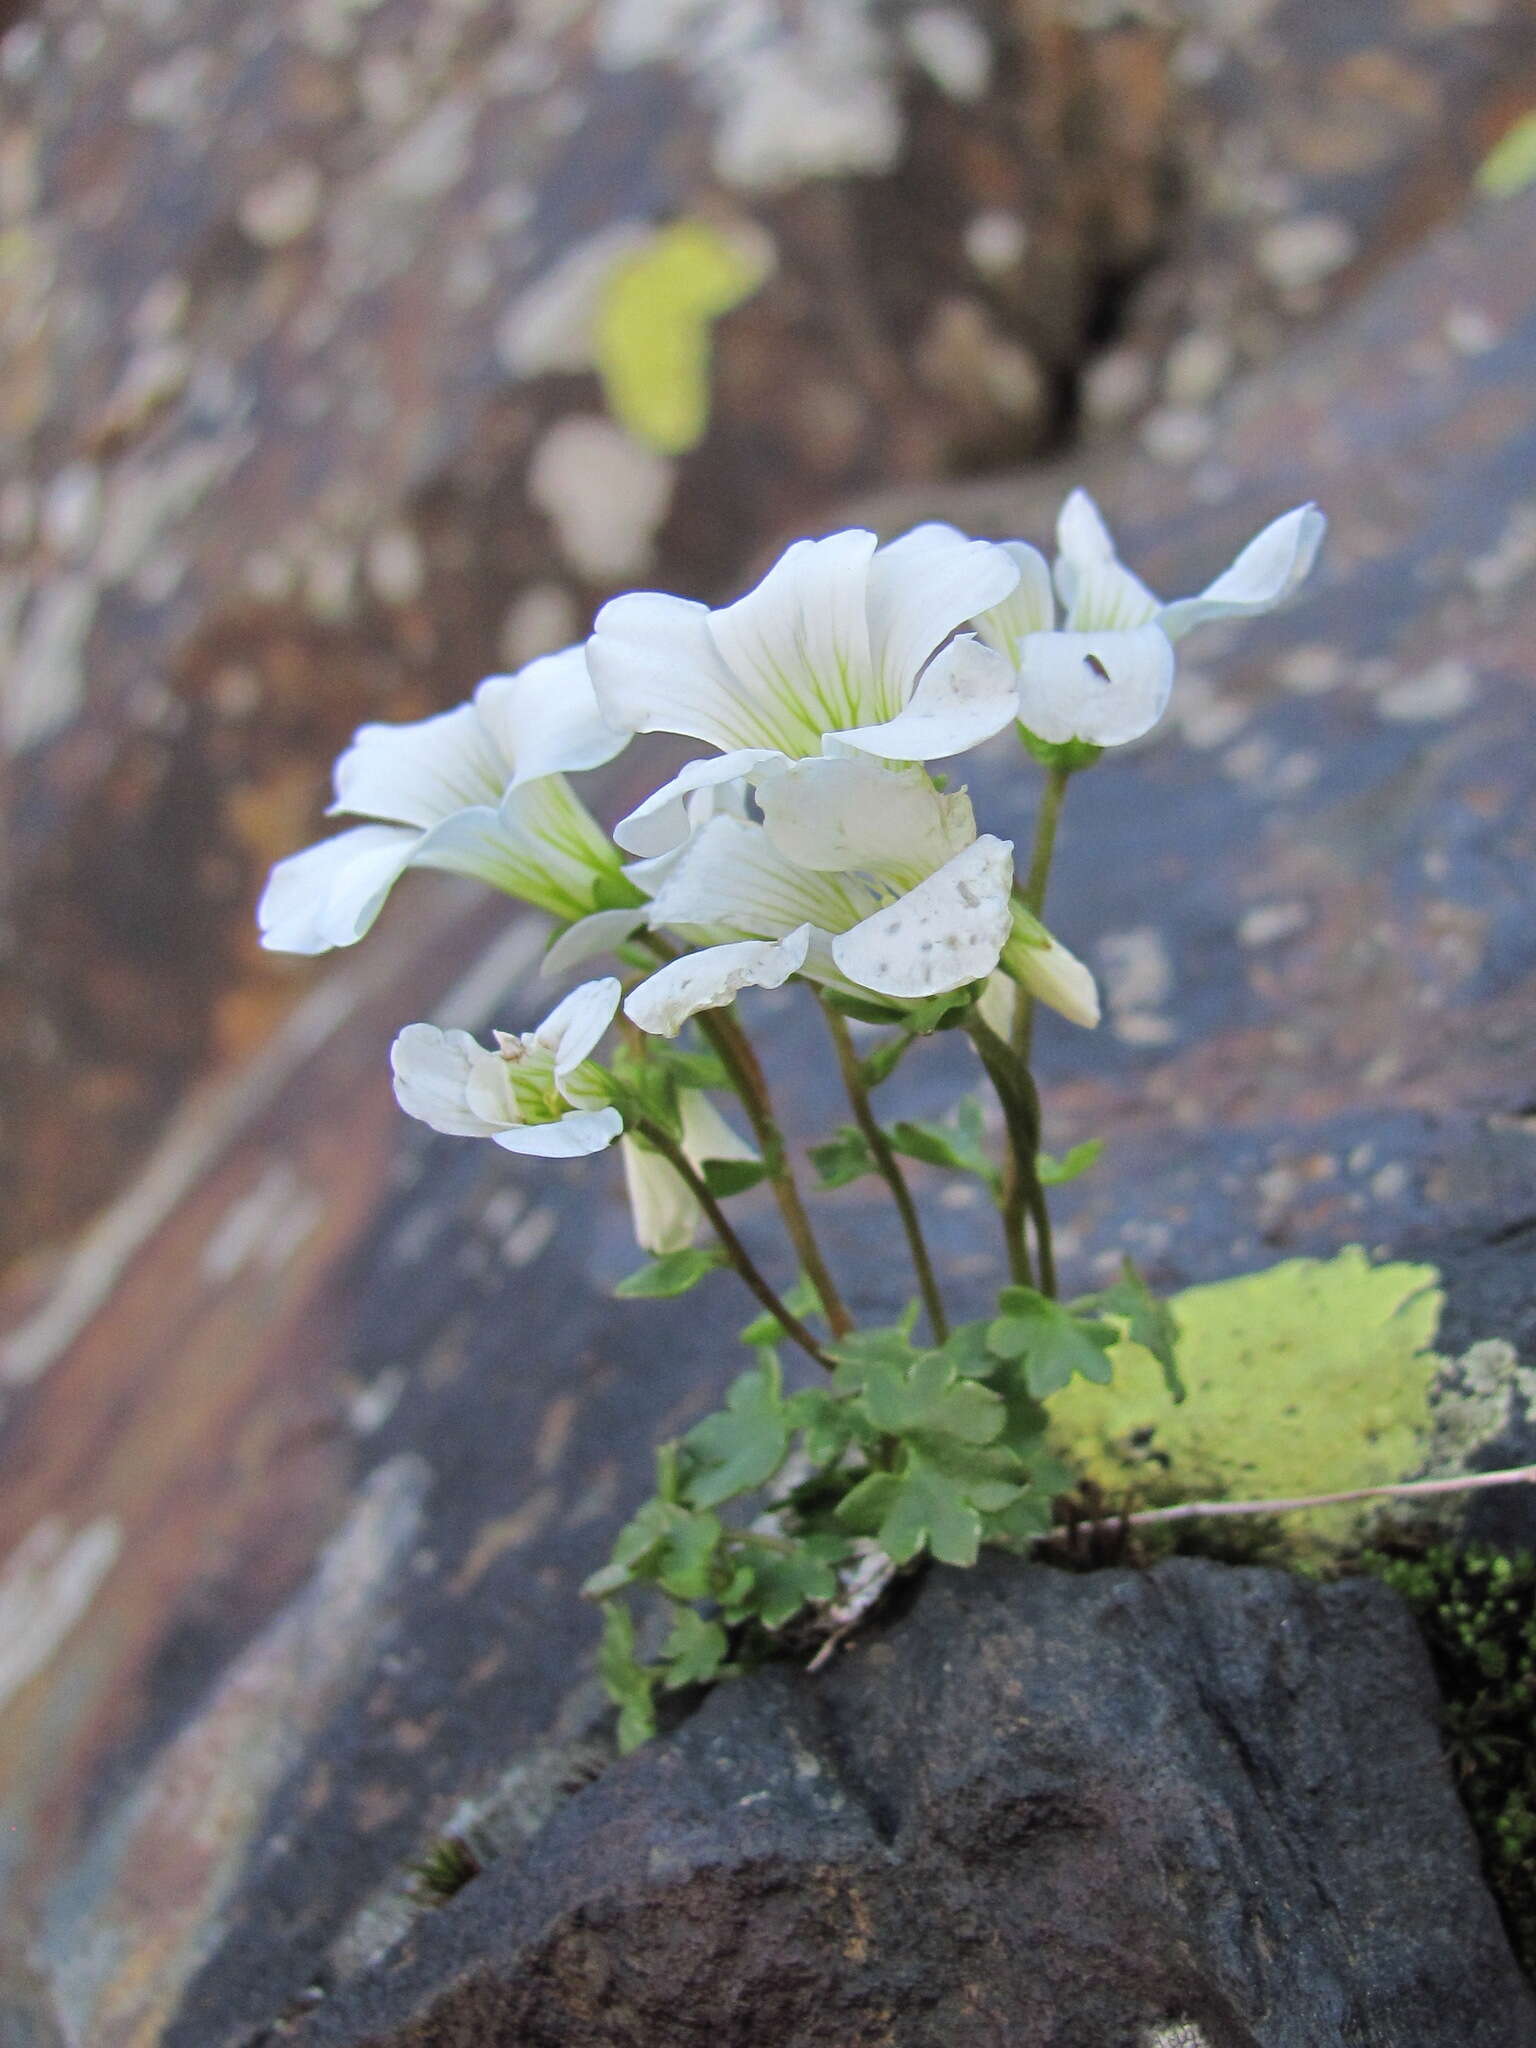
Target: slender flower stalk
1023, 1197
735, 1053
1042, 852
750, 1272
889, 1167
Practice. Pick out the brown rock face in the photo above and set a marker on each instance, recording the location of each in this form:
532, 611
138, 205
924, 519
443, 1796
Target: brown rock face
294, 1517
301, 425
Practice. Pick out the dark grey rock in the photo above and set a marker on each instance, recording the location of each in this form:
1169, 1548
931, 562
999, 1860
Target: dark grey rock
1196, 1807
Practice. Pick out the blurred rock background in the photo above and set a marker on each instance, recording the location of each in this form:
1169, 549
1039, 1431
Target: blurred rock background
353, 350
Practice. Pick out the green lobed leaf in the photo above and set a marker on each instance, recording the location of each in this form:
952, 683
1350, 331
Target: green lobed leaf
628, 1683
1055, 1173
801, 1300
726, 1177
931, 1503
694, 1651
1148, 1321
672, 1274
779, 1583
842, 1159
1052, 1343
927, 1399
740, 1447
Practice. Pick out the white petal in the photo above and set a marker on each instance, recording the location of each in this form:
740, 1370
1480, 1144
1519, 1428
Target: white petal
540, 843
853, 814
432, 1072
998, 1002
1099, 593
921, 588
706, 1134
419, 774
732, 879
545, 719
1105, 688
569, 1137
1265, 574
1057, 977
330, 894
949, 930
799, 644
655, 669
1029, 608
666, 1213
705, 980
663, 1208
589, 938
964, 696
664, 821
574, 1025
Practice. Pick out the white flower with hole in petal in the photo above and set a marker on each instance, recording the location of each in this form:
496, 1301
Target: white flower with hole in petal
666, 1212
478, 791
534, 1093
844, 645
864, 878
1104, 676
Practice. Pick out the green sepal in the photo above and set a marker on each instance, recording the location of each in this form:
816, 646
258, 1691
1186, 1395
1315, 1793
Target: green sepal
864, 1009
672, 1274
1070, 755
616, 892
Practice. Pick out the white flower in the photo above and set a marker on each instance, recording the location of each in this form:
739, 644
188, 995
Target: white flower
834, 650
863, 877
534, 1093
478, 791
665, 1210
1105, 675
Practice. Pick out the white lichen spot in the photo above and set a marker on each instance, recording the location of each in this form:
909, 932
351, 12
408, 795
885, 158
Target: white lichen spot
1299, 254
330, 582
396, 568
432, 157
1177, 2034
996, 241
954, 50
1471, 331
1137, 975
1442, 691
46, 1585
283, 208
173, 94
1311, 669
1198, 364
45, 683
604, 493
539, 620
552, 325
71, 517
1511, 558
1177, 434
1267, 923
1116, 385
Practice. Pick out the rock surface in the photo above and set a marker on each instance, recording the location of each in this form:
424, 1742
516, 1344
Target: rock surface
302, 425
307, 1451
1041, 1810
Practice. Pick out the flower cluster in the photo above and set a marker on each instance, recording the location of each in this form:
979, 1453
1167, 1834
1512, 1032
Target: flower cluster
812, 841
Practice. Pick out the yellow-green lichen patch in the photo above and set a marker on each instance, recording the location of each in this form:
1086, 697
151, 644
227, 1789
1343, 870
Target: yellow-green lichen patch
1312, 1377
653, 329
1511, 164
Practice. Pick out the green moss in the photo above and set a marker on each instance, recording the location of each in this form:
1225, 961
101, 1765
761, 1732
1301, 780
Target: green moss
1314, 1376
445, 1867
1477, 1609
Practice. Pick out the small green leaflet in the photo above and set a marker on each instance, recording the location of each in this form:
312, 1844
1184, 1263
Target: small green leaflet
725, 1177
1051, 1342
673, 1273
692, 1069
958, 1146
1055, 1173
1148, 1322
744, 1444
932, 1504
842, 1159
802, 1300
629, 1685
695, 1650
776, 1584
930, 1400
